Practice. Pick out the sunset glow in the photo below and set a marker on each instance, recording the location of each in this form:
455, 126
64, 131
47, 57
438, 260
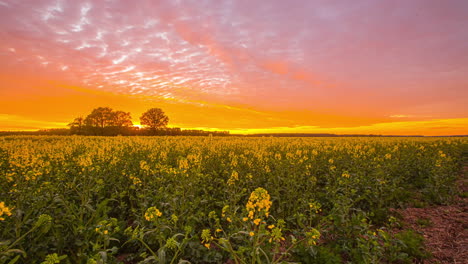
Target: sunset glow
346, 67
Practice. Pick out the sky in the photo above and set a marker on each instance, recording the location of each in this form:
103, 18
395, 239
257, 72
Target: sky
317, 66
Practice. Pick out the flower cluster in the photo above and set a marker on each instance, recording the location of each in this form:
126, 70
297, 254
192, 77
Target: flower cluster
234, 177
259, 201
206, 238
345, 174
183, 164
152, 213
4, 210
144, 166
315, 207
224, 213
313, 236
135, 180
276, 233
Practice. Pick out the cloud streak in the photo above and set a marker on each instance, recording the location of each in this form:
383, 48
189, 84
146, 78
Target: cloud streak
334, 57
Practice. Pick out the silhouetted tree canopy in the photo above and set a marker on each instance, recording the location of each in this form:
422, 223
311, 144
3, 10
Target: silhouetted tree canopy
154, 118
104, 121
100, 117
121, 119
77, 126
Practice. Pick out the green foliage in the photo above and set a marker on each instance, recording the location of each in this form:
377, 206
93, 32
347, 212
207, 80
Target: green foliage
317, 255
147, 200
412, 244
53, 259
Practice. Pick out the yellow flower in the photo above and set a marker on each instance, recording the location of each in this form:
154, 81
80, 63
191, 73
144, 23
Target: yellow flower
106, 232
234, 177
251, 213
183, 164
259, 201
245, 219
4, 210
251, 234
271, 226
152, 213
228, 219
206, 238
313, 236
136, 181
257, 221
218, 230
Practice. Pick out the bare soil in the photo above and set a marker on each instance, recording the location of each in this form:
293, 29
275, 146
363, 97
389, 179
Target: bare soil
445, 228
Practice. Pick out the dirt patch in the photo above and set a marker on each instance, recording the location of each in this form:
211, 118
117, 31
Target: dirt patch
443, 227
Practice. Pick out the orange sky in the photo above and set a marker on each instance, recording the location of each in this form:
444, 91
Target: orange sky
370, 67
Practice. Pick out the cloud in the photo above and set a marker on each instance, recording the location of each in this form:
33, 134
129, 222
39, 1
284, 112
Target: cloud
401, 116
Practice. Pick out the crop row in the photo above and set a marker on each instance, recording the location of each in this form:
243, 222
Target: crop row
217, 200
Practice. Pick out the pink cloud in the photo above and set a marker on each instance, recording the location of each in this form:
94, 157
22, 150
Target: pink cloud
375, 56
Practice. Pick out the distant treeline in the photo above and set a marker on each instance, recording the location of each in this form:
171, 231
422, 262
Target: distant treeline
134, 131
322, 135
190, 132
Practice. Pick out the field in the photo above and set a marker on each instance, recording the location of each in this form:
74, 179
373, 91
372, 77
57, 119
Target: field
218, 200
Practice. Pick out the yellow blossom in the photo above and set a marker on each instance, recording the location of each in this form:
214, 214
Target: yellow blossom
152, 213
4, 210
259, 202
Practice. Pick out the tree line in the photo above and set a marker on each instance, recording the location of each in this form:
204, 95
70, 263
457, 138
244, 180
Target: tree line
104, 121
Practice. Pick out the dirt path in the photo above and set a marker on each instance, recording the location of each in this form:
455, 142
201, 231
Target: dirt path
445, 228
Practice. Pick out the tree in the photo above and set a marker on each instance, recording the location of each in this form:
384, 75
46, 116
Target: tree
103, 121
99, 117
154, 118
76, 127
121, 119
